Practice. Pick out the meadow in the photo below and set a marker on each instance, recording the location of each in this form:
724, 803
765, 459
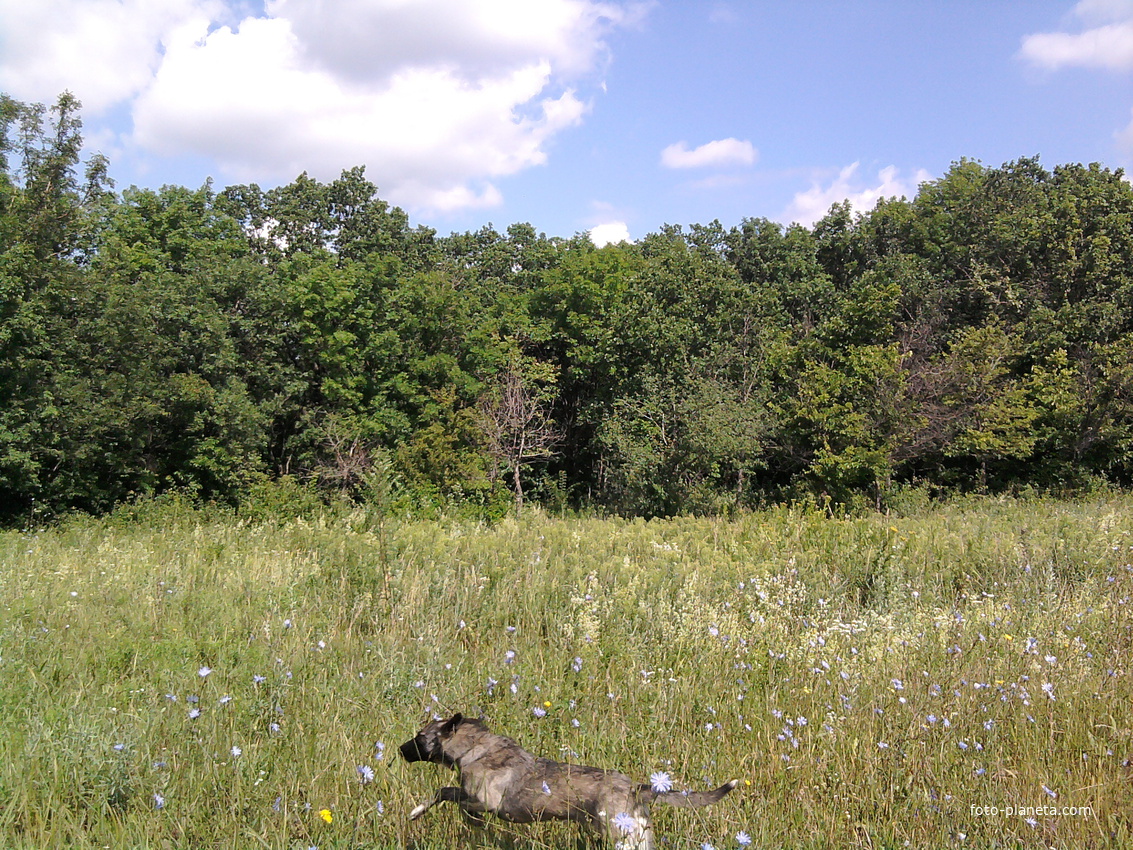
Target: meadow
954, 676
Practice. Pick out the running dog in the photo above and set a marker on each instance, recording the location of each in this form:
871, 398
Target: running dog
500, 777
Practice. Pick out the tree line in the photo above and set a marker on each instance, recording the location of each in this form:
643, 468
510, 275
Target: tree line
975, 337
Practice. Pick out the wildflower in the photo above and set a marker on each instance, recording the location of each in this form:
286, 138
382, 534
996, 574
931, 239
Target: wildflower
509, 656
661, 782
539, 711
224, 700
576, 665
366, 773
204, 671
119, 747
881, 745
546, 789
194, 713
258, 679
743, 839
236, 751
625, 822
898, 685
381, 808
546, 704
1052, 794
1048, 689
275, 728
158, 801
706, 846
326, 815
1032, 823
379, 750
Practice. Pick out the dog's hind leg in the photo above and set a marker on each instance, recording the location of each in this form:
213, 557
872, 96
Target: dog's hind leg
626, 832
448, 794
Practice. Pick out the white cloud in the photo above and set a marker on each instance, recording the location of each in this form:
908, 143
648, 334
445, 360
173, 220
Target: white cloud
809, 206
609, 233
1109, 47
1098, 11
437, 98
103, 51
1108, 44
369, 39
722, 152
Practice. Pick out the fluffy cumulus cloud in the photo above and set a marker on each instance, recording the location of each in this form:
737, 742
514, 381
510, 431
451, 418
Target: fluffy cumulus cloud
438, 98
719, 153
1104, 41
608, 233
809, 206
105, 51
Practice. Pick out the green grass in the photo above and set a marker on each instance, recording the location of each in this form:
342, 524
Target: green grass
873, 682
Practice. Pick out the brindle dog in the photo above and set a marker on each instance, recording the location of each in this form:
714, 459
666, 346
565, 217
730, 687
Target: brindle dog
499, 776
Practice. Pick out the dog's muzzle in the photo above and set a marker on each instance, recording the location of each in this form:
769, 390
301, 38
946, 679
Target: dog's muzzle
411, 751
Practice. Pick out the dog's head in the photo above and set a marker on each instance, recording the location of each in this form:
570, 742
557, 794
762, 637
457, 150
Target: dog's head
429, 743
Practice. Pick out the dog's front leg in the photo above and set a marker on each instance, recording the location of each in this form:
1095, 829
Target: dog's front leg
448, 794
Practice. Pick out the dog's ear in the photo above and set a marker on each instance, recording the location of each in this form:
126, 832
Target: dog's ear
452, 723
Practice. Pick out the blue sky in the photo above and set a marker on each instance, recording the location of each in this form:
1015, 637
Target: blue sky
579, 114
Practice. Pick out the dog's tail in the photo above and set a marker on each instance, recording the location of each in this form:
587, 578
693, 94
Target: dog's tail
687, 799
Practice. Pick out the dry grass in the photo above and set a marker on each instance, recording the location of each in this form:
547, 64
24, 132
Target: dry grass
874, 682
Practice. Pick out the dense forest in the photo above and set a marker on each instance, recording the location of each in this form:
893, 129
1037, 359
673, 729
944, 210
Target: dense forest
224, 343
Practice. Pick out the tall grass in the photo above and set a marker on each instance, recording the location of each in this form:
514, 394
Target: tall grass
183, 679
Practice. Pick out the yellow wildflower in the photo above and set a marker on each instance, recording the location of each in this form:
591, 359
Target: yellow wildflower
326, 815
